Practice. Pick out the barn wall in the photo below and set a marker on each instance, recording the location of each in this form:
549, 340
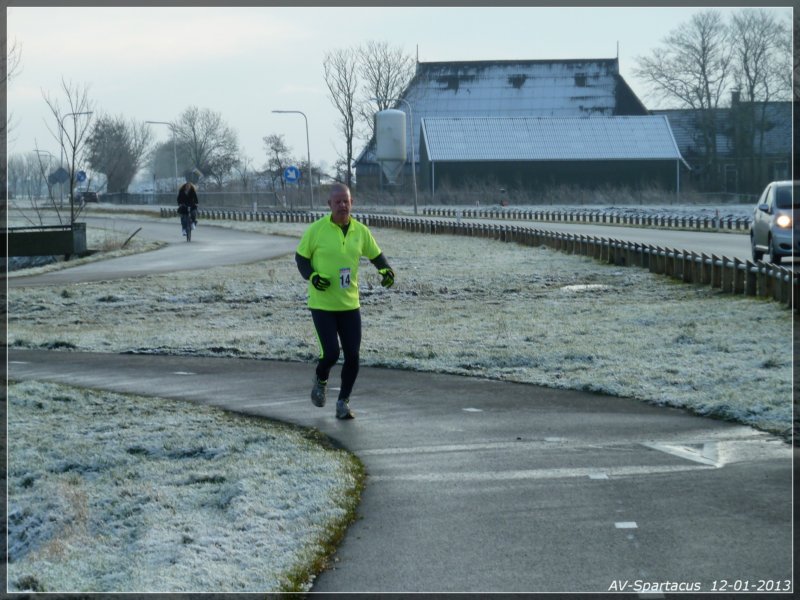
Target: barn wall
541, 175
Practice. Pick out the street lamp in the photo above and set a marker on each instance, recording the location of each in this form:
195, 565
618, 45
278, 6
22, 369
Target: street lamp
308, 150
44, 152
413, 163
61, 161
174, 146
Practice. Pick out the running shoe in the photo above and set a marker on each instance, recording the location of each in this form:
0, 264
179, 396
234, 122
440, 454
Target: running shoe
343, 409
319, 392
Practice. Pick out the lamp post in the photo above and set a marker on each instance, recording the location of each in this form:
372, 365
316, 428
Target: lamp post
61, 160
174, 146
413, 162
308, 150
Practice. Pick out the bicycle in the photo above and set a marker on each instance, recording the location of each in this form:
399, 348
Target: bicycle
187, 222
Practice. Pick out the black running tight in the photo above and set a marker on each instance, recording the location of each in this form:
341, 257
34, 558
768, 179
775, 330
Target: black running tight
331, 327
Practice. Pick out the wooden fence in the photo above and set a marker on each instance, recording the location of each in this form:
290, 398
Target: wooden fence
731, 276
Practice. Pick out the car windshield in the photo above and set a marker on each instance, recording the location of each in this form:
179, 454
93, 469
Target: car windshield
783, 196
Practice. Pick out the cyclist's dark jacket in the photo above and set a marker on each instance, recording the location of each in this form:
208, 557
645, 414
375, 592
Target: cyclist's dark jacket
187, 198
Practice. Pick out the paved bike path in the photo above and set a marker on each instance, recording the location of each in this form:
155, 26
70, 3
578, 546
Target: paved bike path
210, 247
481, 486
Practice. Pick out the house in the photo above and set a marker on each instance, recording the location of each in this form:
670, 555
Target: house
753, 145
566, 89
545, 152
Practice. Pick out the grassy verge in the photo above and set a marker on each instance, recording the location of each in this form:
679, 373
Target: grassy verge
151, 495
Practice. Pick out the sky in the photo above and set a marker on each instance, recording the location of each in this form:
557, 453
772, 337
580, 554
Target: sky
151, 62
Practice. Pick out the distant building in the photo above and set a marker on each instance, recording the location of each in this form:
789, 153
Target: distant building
545, 152
753, 145
555, 89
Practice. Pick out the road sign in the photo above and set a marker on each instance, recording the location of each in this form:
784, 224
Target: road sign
60, 175
291, 174
80, 176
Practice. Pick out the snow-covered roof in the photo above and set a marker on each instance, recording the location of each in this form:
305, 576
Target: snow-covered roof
515, 88
464, 139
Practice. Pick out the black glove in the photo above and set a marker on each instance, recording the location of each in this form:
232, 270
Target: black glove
387, 277
319, 282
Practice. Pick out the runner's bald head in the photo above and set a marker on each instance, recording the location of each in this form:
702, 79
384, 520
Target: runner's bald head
337, 189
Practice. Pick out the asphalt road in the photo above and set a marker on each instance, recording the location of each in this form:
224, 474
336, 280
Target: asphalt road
479, 486
731, 244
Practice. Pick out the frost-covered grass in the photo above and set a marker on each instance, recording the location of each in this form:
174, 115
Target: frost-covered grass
460, 305
117, 493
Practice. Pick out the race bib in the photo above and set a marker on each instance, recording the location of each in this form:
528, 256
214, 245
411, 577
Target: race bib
344, 278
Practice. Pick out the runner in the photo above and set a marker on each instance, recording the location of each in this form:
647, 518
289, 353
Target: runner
328, 257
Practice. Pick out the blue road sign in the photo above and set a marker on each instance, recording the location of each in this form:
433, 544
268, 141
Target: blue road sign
60, 175
291, 174
80, 176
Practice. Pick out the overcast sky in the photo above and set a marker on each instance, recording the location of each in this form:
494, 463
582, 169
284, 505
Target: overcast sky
151, 63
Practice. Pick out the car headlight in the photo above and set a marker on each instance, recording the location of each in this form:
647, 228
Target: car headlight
783, 221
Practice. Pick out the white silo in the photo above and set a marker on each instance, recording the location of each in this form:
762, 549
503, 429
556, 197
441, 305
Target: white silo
390, 141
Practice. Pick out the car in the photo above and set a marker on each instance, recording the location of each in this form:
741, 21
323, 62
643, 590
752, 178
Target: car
89, 197
774, 230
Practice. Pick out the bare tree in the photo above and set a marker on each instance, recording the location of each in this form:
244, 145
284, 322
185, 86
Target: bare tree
278, 158
243, 170
341, 77
71, 136
27, 175
11, 63
760, 62
210, 143
693, 67
166, 160
793, 78
759, 67
340, 170
386, 72
44, 172
117, 148
12, 60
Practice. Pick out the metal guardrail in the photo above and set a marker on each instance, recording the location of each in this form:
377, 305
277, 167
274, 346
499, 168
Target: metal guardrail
731, 276
603, 217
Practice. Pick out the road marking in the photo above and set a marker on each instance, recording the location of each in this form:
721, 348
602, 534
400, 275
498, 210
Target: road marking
471, 410
184, 373
708, 455
533, 474
18, 362
276, 403
626, 525
457, 448
598, 476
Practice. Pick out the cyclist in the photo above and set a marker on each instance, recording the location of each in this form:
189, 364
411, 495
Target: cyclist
327, 256
187, 203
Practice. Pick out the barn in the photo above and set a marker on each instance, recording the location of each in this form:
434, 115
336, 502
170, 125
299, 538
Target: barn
546, 152
496, 90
